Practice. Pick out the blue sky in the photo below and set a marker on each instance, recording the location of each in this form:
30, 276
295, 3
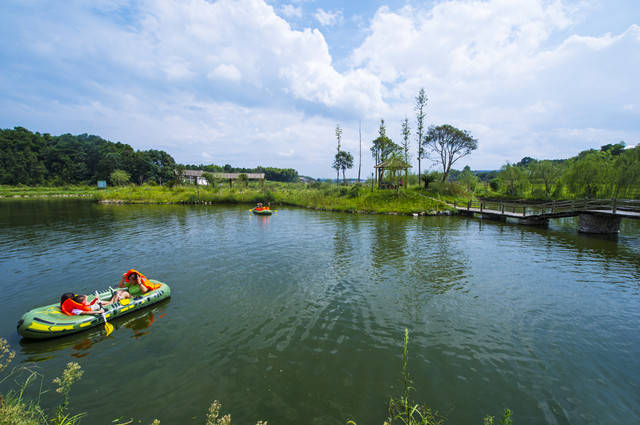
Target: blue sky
264, 82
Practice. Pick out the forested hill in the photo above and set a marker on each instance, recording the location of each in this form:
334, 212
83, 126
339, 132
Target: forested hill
35, 159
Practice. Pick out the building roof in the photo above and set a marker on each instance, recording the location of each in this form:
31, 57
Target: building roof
233, 176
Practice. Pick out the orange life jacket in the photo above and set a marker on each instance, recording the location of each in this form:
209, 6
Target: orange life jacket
69, 305
145, 282
262, 208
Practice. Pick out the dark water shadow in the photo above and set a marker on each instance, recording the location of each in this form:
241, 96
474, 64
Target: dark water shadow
81, 344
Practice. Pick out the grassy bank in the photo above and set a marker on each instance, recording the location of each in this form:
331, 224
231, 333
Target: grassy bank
354, 198
44, 192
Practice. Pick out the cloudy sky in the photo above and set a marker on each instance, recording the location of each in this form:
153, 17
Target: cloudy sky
264, 82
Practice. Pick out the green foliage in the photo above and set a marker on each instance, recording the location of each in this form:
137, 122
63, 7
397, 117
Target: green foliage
383, 147
15, 410
514, 180
446, 144
119, 177
506, 419
402, 410
343, 161
70, 375
325, 197
37, 159
243, 179
429, 178
213, 416
468, 179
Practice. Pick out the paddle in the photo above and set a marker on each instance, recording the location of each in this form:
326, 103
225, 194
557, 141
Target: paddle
108, 327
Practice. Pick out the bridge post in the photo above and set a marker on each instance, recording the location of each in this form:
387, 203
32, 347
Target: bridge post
524, 211
469, 205
613, 209
481, 206
599, 223
501, 207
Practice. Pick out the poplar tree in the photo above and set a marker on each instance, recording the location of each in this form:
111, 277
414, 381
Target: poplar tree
421, 103
336, 162
406, 132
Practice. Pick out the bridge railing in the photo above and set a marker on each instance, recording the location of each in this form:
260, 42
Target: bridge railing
553, 207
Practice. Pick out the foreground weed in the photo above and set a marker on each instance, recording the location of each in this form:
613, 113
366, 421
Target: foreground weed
70, 375
506, 419
403, 409
213, 416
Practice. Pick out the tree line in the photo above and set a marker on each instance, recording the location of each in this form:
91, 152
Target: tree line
613, 171
33, 159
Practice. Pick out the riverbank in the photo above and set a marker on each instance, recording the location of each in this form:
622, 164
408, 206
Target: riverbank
354, 199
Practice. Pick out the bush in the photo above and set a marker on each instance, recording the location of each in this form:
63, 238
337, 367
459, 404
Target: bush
448, 188
354, 191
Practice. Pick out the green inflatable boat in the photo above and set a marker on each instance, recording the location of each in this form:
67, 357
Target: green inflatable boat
49, 321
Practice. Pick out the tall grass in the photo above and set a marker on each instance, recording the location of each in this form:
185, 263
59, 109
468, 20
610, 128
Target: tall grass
355, 198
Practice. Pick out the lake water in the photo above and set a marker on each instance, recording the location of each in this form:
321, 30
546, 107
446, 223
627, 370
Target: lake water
298, 318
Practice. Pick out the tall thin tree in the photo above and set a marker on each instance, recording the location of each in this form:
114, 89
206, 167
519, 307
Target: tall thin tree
406, 132
360, 159
339, 137
421, 103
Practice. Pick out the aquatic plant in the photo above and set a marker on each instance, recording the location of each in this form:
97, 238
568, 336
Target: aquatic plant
14, 409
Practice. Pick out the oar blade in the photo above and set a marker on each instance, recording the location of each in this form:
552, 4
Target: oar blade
108, 328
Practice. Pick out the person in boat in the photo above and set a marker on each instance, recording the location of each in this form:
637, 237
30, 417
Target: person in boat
74, 305
134, 283
261, 207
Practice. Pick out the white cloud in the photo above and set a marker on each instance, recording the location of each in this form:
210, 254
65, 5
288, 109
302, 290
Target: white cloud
291, 11
227, 72
490, 66
328, 18
509, 71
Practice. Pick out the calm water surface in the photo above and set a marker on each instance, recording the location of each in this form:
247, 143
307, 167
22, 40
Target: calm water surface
298, 318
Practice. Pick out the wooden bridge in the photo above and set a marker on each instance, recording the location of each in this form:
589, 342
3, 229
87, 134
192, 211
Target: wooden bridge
594, 215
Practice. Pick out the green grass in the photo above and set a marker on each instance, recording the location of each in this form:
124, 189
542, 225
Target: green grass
43, 192
359, 198
355, 198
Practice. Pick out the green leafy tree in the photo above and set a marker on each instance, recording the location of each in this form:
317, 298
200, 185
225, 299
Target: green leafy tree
210, 178
343, 161
514, 179
446, 144
546, 172
614, 149
586, 173
429, 178
468, 179
625, 173
243, 179
119, 177
383, 147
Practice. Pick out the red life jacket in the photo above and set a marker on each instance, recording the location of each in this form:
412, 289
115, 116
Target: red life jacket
69, 305
145, 282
